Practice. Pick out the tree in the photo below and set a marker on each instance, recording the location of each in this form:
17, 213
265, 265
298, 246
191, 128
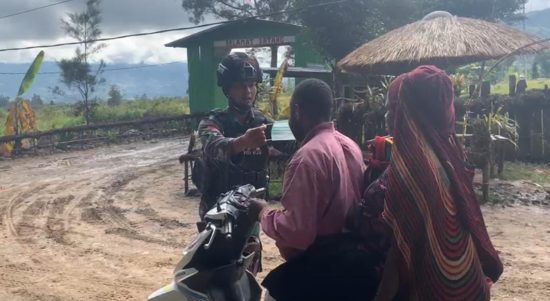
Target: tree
115, 96
36, 101
77, 72
364, 20
361, 20
543, 61
338, 28
503, 10
235, 9
144, 97
328, 21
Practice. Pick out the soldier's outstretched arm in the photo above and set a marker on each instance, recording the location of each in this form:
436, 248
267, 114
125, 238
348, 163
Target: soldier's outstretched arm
218, 147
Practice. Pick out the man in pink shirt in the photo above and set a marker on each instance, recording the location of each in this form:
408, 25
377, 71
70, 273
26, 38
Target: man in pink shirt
322, 183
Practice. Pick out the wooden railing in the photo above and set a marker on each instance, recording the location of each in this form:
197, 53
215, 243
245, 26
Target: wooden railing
85, 135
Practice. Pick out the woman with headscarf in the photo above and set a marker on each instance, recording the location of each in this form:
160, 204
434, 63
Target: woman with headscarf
439, 248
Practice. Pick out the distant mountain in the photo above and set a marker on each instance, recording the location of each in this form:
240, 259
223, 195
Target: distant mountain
538, 23
133, 80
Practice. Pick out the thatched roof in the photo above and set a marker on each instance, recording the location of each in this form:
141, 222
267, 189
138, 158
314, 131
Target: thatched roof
440, 39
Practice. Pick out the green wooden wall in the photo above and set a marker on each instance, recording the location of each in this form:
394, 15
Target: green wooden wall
203, 58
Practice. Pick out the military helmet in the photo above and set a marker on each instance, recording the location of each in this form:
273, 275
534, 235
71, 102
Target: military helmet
238, 67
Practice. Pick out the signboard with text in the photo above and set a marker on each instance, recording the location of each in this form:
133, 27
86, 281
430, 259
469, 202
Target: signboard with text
255, 42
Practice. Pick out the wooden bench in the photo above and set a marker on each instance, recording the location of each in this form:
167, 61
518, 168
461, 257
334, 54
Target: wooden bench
188, 160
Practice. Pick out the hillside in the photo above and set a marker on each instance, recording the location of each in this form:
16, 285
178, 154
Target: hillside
538, 23
153, 80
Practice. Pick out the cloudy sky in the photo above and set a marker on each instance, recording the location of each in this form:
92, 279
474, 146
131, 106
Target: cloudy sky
119, 17
537, 5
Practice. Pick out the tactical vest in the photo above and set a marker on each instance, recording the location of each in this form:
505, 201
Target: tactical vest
248, 167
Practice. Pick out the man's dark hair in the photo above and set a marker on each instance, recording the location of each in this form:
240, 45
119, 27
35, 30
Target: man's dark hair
314, 97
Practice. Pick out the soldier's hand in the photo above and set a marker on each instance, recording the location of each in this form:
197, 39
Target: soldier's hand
255, 137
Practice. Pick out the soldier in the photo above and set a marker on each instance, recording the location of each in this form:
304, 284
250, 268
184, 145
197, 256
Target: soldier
234, 139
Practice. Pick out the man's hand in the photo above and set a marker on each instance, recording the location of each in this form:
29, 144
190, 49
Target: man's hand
253, 138
255, 208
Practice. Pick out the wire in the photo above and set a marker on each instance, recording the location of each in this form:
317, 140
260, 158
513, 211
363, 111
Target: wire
33, 9
172, 29
104, 70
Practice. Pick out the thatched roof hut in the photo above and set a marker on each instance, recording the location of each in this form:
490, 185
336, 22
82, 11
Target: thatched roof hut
440, 39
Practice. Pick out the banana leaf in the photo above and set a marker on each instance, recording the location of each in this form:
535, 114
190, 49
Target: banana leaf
31, 73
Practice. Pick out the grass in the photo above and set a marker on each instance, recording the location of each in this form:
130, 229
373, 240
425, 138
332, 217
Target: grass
60, 116
57, 116
503, 89
275, 187
536, 173
137, 109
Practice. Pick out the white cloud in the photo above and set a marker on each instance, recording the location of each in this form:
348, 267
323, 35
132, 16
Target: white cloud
537, 5
119, 17
147, 49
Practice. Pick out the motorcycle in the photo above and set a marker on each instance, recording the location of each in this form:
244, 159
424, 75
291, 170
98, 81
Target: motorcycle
214, 266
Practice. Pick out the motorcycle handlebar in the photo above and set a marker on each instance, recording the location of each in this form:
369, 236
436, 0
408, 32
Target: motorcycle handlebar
258, 192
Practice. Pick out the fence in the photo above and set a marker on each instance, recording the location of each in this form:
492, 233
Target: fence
86, 135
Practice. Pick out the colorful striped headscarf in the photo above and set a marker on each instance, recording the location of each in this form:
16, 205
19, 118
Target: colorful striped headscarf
392, 100
430, 204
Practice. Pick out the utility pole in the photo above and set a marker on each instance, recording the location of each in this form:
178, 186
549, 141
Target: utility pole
524, 30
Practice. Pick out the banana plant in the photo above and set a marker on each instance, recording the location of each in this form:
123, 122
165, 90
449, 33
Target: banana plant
278, 87
501, 124
21, 117
459, 83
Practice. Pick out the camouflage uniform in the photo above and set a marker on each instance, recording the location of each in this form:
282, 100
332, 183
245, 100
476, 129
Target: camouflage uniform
222, 171
225, 171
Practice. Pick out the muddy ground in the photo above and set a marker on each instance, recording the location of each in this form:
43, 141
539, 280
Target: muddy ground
110, 223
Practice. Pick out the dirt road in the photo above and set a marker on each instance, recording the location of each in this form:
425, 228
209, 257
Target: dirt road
110, 223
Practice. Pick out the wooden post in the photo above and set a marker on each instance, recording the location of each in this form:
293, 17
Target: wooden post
337, 87
488, 169
485, 180
480, 81
512, 85
274, 56
521, 86
500, 161
493, 148
485, 89
186, 175
471, 90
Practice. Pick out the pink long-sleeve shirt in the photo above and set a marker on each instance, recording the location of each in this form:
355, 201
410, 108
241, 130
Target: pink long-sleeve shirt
322, 183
